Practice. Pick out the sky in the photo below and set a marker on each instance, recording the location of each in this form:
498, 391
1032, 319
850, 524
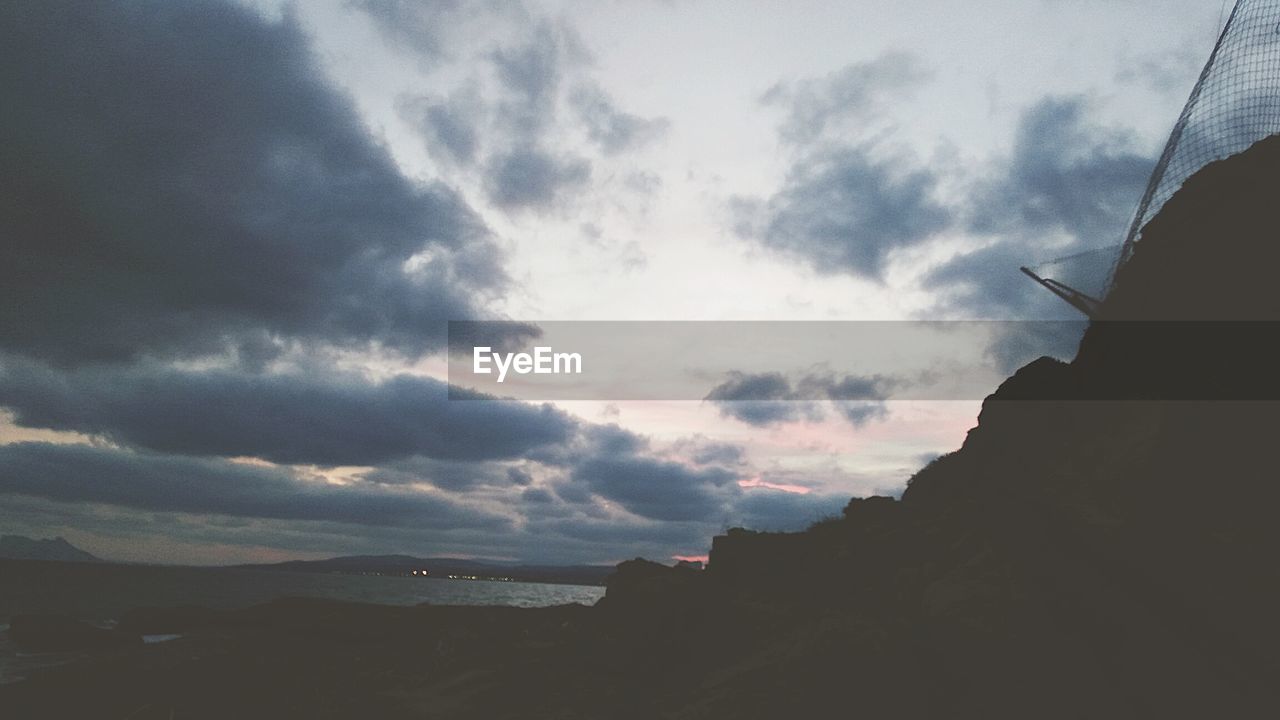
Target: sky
234, 232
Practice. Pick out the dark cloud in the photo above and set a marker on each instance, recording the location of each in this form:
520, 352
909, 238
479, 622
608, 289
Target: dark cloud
986, 283
1069, 185
614, 440
85, 474
528, 57
843, 209
519, 476
627, 539
510, 124
530, 178
614, 507
708, 452
658, 489
314, 418
858, 414
540, 496
847, 202
533, 70
459, 476
762, 399
616, 465
179, 179
856, 92
1066, 174
858, 399
151, 536
613, 130
449, 126
575, 494
765, 509
523, 173
765, 399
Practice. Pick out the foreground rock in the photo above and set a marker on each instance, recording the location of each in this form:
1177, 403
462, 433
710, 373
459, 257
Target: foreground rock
58, 633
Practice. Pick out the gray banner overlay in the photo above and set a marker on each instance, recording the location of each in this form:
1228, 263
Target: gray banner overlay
733, 362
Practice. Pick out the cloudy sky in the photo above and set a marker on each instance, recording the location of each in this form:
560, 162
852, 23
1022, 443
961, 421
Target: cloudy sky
232, 234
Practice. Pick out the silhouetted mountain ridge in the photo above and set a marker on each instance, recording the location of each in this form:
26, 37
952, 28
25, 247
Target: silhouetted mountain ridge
18, 547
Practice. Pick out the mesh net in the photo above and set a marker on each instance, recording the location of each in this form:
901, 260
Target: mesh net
1234, 104
1087, 272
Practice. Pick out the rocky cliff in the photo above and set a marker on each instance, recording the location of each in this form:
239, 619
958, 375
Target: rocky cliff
1101, 546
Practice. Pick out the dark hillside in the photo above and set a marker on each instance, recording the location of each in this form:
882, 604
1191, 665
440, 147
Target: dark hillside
1102, 545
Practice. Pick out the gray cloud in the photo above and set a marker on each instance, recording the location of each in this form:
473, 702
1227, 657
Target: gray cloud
847, 202
533, 71
658, 489
613, 130
539, 496
620, 501
616, 465
530, 178
764, 399
312, 418
450, 126
461, 476
843, 209
709, 452
81, 473
509, 123
1065, 174
1068, 185
156, 536
180, 180
519, 476
424, 28
856, 92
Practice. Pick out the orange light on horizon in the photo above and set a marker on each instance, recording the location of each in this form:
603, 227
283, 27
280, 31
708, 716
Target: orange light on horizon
691, 558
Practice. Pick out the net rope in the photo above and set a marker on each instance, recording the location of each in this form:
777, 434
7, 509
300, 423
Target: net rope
1234, 104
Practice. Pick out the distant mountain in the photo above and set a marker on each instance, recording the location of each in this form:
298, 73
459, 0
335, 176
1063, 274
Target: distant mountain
445, 567
17, 547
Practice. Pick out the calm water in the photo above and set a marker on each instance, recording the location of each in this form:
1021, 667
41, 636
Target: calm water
101, 593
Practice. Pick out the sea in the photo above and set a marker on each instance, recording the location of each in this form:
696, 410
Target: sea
99, 593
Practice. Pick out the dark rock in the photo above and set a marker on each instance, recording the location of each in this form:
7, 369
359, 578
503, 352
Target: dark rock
639, 582
166, 621
59, 633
